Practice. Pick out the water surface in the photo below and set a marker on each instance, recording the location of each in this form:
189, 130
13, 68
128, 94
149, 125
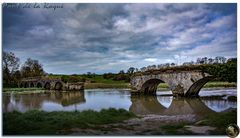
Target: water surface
97, 99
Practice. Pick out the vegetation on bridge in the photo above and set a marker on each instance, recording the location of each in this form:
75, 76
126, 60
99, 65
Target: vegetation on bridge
36, 122
222, 71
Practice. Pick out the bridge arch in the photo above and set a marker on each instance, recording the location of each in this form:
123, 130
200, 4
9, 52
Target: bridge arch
39, 85
197, 86
47, 85
26, 85
32, 84
21, 85
150, 86
58, 86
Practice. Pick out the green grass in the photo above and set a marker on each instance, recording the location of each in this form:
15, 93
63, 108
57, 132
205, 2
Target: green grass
221, 121
218, 120
37, 122
100, 79
93, 78
208, 85
176, 129
106, 85
220, 84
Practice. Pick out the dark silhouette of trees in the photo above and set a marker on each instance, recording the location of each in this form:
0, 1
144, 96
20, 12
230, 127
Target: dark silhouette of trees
32, 68
10, 68
131, 70
224, 72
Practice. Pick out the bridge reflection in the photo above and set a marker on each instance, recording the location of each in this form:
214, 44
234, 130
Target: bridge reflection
35, 100
143, 105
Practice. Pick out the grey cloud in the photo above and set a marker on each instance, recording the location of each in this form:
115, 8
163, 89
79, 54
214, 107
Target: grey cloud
109, 37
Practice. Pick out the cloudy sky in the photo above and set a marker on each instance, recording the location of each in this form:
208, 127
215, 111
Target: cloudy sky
99, 38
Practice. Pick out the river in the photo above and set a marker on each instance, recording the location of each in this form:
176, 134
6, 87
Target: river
97, 99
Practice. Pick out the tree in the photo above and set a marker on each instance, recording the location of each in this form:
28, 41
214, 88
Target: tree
89, 74
210, 61
199, 60
121, 76
32, 68
173, 64
121, 72
204, 60
131, 70
10, 66
143, 69
108, 75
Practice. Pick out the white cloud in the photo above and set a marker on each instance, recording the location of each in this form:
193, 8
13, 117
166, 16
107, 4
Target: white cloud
40, 31
151, 59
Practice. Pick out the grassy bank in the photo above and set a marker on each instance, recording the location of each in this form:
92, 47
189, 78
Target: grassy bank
220, 121
106, 85
22, 89
209, 85
36, 122
220, 84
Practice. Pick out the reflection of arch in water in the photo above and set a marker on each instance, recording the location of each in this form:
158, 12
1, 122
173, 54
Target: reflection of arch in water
71, 98
179, 106
24, 102
67, 98
165, 100
219, 105
145, 105
184, 106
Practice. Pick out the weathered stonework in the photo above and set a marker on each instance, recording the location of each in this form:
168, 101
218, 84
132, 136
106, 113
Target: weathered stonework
181, 83
75, 86
50, 84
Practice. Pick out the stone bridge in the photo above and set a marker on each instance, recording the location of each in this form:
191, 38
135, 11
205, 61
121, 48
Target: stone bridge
50, 83
181, 83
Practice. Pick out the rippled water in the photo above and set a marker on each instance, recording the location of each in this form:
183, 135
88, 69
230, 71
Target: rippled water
97, 99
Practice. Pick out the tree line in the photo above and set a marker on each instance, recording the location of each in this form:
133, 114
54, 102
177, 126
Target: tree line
199, 61
13, 73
